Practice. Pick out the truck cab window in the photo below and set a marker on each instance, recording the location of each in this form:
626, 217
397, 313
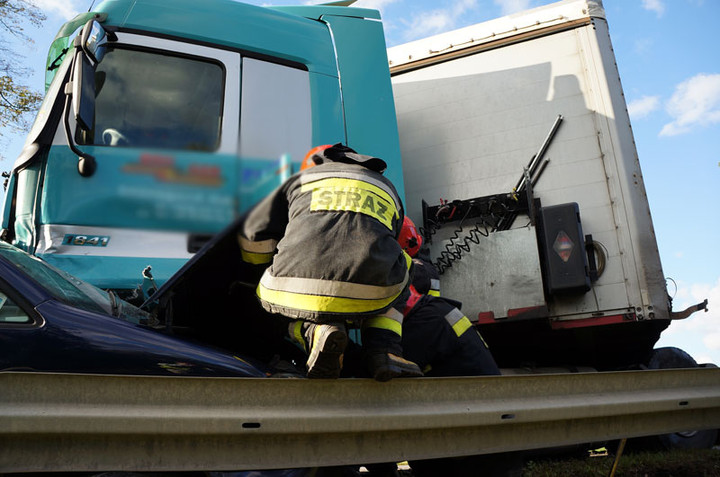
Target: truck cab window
276, 114
149, 99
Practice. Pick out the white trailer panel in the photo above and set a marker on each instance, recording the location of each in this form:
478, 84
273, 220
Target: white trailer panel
475, 105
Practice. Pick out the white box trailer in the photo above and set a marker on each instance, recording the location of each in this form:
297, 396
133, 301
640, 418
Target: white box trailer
474, 106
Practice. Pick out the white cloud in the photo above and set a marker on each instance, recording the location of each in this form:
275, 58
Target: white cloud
640, 108
703, 358
436, 21
656, 6
428, 24
374, 4
508, 7
642, 45
712, 341
695, 103
67, 9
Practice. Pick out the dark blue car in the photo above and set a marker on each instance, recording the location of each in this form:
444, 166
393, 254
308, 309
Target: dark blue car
51, 321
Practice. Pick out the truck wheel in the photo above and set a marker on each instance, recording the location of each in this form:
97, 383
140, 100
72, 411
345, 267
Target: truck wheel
673, 358
670, 358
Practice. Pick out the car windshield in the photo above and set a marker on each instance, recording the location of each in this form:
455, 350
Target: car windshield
69, 289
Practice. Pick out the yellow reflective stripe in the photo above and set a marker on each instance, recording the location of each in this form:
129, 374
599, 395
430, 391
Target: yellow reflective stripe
462, 326
393, 314
260, 246
297, 333
353, 196
319, 303
482, 339
257, 252
256, 258
319, 286
384, 323
363, 177
433, 293
408, 259
459, 322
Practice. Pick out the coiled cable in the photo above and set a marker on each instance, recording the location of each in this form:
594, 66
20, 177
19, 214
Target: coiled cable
457, 244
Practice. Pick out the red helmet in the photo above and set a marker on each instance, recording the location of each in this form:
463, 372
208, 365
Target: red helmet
410, 240
308, 162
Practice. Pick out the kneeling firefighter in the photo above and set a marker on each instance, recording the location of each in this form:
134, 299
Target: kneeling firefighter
436, 334
329, 235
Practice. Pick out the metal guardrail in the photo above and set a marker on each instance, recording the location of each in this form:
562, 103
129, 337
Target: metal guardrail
63, 422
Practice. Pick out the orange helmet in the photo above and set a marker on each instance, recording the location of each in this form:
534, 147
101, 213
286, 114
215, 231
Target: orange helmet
308, 161
410, 240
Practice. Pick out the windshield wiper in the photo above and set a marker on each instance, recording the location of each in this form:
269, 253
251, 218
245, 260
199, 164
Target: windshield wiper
114, 304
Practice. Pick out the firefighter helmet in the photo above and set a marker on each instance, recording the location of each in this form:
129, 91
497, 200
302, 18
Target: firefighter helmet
308, 161
410, 240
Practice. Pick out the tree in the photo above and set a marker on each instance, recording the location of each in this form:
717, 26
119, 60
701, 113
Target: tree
16, 99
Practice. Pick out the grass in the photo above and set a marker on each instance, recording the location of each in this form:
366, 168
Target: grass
676, 463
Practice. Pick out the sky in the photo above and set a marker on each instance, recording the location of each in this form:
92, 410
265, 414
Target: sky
669, 65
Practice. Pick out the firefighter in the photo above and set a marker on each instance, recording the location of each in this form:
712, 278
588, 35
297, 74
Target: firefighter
329, 235
442, 340
426, 278
436, 334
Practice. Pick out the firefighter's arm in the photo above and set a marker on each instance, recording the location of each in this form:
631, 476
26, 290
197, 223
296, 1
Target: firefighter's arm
263, 227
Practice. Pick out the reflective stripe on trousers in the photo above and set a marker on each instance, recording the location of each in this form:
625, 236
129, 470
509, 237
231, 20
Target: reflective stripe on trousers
391, 320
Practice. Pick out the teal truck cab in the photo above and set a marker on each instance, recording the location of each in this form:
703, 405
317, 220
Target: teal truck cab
163, 122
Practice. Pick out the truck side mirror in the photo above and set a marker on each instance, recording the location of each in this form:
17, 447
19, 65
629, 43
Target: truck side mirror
93, 41
90, 49
83, 91
83, 105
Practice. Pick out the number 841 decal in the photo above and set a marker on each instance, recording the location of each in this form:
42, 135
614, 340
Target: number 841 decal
86, 240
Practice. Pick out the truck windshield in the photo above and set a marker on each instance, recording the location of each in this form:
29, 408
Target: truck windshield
156, 100
69, 289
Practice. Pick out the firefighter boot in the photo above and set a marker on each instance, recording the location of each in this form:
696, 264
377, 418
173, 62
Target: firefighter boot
383, 366
382, 340
327, 345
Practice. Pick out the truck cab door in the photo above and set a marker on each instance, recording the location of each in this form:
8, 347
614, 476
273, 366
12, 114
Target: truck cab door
185, 138
165, 139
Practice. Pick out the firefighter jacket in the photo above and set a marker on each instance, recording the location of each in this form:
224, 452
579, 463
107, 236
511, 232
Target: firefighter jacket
330, 236
442, 340
425, 277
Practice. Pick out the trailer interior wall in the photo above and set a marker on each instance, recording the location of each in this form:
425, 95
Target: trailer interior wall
469, 125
